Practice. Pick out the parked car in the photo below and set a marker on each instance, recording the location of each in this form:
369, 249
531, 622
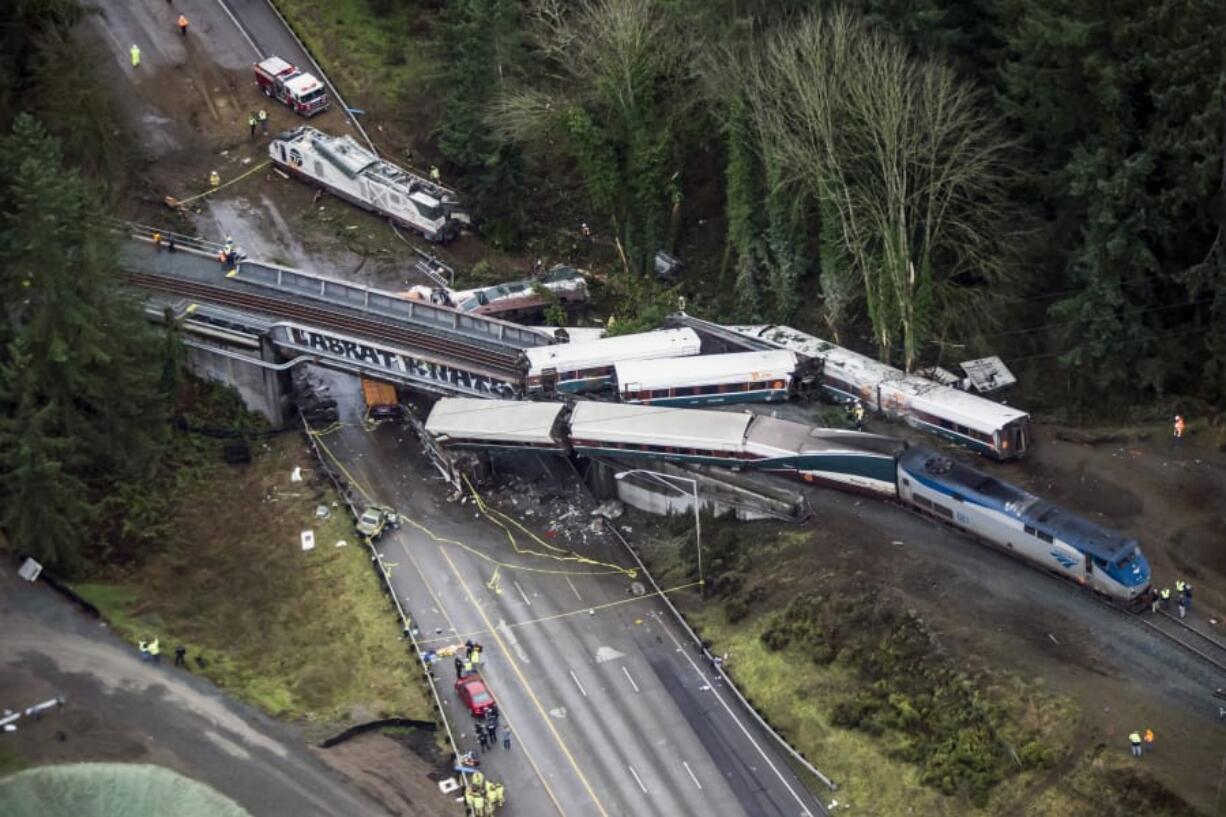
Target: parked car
474, 695
375, 519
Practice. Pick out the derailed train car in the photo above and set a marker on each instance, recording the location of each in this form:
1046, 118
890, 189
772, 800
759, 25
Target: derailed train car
985, 426
1015, 521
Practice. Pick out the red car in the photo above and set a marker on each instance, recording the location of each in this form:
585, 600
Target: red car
475, 696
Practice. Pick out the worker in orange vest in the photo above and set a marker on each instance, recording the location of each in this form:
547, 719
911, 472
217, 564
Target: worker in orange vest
183, 24
1149, 740
1177, 439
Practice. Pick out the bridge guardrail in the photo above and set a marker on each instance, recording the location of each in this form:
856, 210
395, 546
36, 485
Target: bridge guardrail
375, 301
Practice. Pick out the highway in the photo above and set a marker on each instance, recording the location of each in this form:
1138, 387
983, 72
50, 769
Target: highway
611, 711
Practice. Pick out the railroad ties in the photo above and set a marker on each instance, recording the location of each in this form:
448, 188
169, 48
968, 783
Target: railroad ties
347, 326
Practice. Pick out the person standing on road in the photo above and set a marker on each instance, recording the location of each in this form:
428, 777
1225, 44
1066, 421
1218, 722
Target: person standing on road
251, 124
183, 24
262, 115
144, 650
435, 175
1183, 605
506, 738
1166, 598
134, 51
1134, 740
1154, 598
157, 241
459, 667
483, 738
857, 413
1177, 431
1149, 740
181, 656
155, 651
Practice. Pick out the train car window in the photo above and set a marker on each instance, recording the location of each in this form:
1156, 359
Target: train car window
1029, 530
906, 482
1046, 537
943, 511
923, 502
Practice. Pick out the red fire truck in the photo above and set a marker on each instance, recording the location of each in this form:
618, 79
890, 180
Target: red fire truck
297, 89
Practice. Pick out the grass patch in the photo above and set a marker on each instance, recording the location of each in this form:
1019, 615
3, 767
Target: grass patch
11, 761
301, 634
792, 697
371, 57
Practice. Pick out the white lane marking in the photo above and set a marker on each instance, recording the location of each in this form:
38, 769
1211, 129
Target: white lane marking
524, 595
240, 28
692, 777
804, 810
576, 680
508, 635
637, 779
631, 680
572, 588
604, 654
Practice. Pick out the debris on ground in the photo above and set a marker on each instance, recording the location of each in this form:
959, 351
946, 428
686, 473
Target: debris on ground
610, 509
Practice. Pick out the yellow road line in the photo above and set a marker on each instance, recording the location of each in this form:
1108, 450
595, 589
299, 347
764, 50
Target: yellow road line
522, 743
556, 616
524, 681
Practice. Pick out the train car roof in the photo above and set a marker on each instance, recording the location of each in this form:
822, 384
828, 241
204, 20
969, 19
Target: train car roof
656, 425
508, 421
691, 371
953, 476
798, 438
606, 351
861, 370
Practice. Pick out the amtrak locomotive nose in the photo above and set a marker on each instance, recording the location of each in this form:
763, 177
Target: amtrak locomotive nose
1028, 526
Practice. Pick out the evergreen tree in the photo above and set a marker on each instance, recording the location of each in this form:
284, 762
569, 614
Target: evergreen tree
482, 45
1121, 104
81, 373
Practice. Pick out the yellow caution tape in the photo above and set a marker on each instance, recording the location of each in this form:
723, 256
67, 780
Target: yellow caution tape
560, 555
224, 185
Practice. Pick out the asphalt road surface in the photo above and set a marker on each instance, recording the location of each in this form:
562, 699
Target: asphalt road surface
611, 708
120, 708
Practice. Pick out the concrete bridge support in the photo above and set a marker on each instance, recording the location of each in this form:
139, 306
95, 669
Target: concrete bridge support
258, 375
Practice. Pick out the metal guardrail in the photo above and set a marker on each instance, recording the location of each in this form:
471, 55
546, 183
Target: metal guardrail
406, 623
376, 302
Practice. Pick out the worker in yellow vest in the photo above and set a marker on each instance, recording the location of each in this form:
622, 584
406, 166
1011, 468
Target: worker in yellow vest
155, 651
134, 51
214, 179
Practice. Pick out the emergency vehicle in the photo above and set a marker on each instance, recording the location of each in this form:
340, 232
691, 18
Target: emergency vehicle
299, 90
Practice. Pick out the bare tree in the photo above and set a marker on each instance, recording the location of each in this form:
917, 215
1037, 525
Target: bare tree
608, 98
904, 153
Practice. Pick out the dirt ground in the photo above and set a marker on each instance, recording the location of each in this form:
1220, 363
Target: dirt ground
391, 773
1000, 615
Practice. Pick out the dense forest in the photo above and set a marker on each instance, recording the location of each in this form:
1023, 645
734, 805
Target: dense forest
930, 179
86, 383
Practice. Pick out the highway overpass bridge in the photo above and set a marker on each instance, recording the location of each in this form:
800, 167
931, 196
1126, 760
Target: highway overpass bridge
250, 325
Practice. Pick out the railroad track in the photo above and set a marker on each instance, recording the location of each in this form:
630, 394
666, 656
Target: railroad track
441, 349
1204, 646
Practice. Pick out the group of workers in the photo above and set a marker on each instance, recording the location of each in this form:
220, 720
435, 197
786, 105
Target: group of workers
483, 796
1161, 599
1141, 743
467, 664
134, 51
260, 118
229, 256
